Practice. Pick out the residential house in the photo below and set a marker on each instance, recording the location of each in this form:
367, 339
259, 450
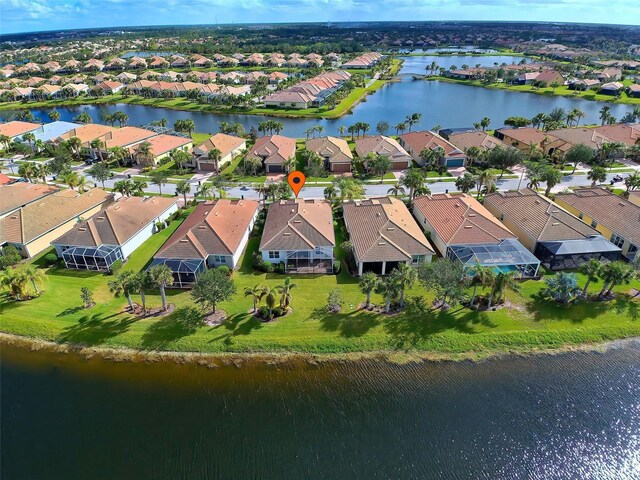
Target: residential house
557, 238
462, 229
86, 133
612, 88
214, 234
364, 61
616, 218
50, 131
229, 147
276, 152
583, 83
16, 129
416, 142
335, 153
383, 234
547, 78
126, 77
524, 138
463, 141
289, 99
300, 234
634, 90
160, 146
16, 195
624, 133
110, 87
609, 75
114, 233
382, 145
31, 228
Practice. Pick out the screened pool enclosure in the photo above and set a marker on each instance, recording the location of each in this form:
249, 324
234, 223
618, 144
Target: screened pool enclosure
184, 271
508, 255
92, 258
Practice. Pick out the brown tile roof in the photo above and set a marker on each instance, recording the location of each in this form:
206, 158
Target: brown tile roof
162, 143
426, 139
336, 149
126, 136
4, 179
274, 149
38, 218
382, 146
539, 216
383, 229
20, 194
213, 228
585, 136
225, 143
14, 129
298, 225
614, 212
460, 219
627, 134
482, 140
118, 223
526, 135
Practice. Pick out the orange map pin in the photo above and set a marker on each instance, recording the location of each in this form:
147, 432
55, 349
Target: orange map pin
296, 181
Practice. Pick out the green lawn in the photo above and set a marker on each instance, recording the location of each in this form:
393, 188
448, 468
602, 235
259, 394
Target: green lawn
527, 324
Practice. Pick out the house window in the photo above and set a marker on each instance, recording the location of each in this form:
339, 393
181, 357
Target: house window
581, 215
416, 259
632, 250
594, 224
219, 259
274, 255
617, 240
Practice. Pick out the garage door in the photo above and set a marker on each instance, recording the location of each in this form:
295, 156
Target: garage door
207, 167
341, 167
275, 169
398, 165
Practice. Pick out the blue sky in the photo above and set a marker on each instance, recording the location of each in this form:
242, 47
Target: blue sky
34, 15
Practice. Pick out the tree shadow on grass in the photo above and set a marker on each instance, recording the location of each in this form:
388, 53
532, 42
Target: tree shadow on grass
628, 308
410, 330
544, 309
235, 325
181, 323
70, 311
95, 329
353, 324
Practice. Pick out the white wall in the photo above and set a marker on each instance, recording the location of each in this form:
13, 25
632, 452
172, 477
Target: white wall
433, 237
139, 238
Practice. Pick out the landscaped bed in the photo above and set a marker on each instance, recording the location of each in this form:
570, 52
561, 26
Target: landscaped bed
528, 324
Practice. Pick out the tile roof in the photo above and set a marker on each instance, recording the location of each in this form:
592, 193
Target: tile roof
482, 140
274, 149
426, 139
225, 143
52, 130
538, 216
87, 133
627, 134
459, 219
614, 212
126, 136
526, 135
118, 223
335, 149
37, 218
585, 136
163, 143
21, 193
15, 129
213, 228
383, 229
382, 146
298, 225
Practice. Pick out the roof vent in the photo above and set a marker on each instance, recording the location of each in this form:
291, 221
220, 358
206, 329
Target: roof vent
468, 226
382, 243
297, 221
391, 228
100, 218
555, 211
82, 229
555, 224
537, 202
183, 240
202, 227
622, 204
287, 234
472, 214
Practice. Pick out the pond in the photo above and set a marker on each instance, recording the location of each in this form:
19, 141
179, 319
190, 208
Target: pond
441, 104
567, 416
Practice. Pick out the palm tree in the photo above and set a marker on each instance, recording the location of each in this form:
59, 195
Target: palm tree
142, 283
503, 281
83, 117
180, 157
285, 292
205, 191
400, 127
124, 284
591, 270
29, 137
14, 279
397, 190
214, 156
145, 152
97, 145
72, 179
183, 187
368, 283
405, 277
54, 115
257, 293
41, 171
413, 179
615, 273
123, 187
118, 153
137, 187
389, 289
162, 277
597, 175
482, 277
487, 178
74, 144
159, 178
28, 170
34, 276
605, 113
5, 140
271, 299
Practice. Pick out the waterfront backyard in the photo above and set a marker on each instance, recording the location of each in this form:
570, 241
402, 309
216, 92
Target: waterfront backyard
527, 323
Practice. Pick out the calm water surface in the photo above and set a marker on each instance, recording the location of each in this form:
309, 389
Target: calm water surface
441, 103
573, 416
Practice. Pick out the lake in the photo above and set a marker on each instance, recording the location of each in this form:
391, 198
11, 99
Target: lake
568, 416
445, 104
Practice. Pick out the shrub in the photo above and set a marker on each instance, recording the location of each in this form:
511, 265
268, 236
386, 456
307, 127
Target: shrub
263, 312
116, 267
224, 269
337, 267
261, 265
280, 268
334, 300
10, 256
50, 259
417, 305
278, 311
159, 226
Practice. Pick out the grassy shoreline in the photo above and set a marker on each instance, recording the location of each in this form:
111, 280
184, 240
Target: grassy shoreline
562, 91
